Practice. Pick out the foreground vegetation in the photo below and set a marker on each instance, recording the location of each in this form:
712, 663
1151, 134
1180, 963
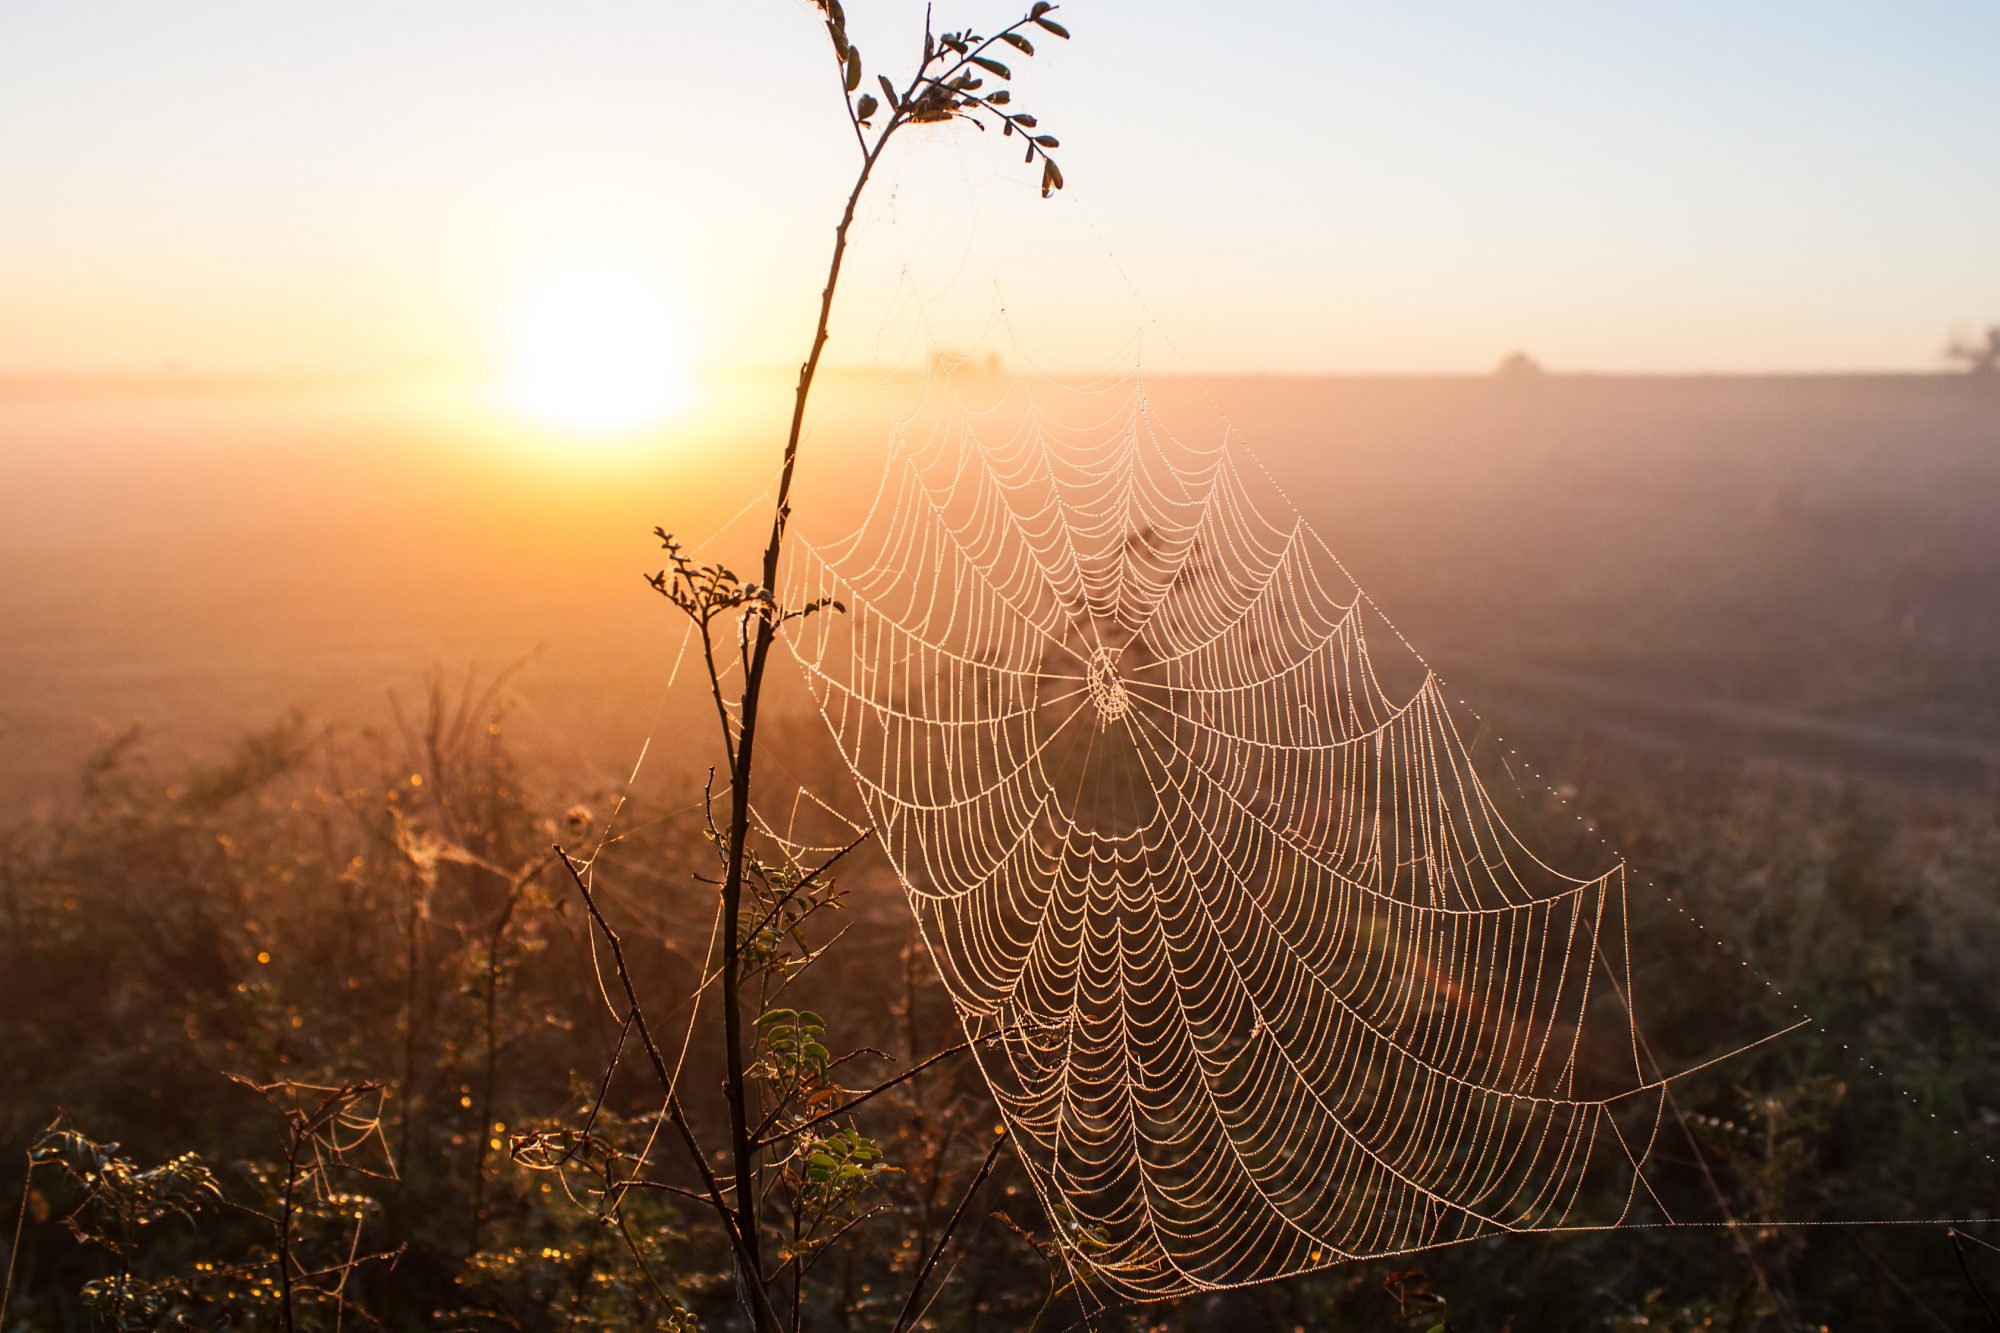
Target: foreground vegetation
316, 1038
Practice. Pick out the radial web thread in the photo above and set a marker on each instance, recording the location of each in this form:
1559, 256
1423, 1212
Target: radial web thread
1270, 980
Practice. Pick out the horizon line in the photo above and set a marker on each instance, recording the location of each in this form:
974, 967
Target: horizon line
171, 378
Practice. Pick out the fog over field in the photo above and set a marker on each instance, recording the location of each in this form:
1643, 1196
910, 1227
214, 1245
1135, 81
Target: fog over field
1032, 666
1799, 569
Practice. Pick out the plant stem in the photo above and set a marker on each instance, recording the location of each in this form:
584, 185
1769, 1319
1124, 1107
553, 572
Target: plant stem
742, 1139
1965, 1270
759, 1300
845, 1107
910, 1307
20, 1226
490, 1074
412, 966
285, 1225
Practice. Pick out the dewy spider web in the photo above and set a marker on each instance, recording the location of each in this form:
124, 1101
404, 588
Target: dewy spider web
1271, 980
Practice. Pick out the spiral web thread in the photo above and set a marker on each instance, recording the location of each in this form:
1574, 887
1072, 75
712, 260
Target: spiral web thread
1270, 981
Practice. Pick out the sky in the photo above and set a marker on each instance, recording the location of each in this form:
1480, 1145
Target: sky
232, 185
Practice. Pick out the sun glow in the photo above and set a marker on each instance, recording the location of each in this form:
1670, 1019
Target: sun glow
597, 349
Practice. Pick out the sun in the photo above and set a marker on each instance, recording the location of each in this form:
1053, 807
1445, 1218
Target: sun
596, 348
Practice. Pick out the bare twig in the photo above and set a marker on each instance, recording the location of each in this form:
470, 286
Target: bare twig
20, 1227
910, 1306
876, 1091
1965, 1269
489, 1076
754, 1293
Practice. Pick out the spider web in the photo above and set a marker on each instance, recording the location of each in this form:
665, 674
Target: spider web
1267, 979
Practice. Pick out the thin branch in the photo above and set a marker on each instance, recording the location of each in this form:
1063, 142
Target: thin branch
880, 1088
754, 1292
1965, 1269
604, 1085
846, 97
645, 1269
657, 1187
944, 1238
791, 894
819, 1248
20, 1224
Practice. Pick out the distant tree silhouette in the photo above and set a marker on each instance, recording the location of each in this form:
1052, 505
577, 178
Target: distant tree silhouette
1518, 366
1979, 358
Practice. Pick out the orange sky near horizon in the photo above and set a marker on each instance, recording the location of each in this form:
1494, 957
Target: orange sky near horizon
1308, 188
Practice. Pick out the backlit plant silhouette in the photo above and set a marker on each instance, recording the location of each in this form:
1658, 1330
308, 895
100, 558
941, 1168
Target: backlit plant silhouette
789, 1150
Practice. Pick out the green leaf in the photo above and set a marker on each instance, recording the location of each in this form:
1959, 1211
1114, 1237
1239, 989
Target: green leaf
1025, 119
999, 97
889, 97
865, 108
853, 68
1048, 141
1054, 27
991, 66
1041, 7
1018, 42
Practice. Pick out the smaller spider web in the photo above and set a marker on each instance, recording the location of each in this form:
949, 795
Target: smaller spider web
1272, 967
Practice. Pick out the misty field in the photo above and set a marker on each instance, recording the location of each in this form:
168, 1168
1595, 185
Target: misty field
1797, 568
659, 675
294, 699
